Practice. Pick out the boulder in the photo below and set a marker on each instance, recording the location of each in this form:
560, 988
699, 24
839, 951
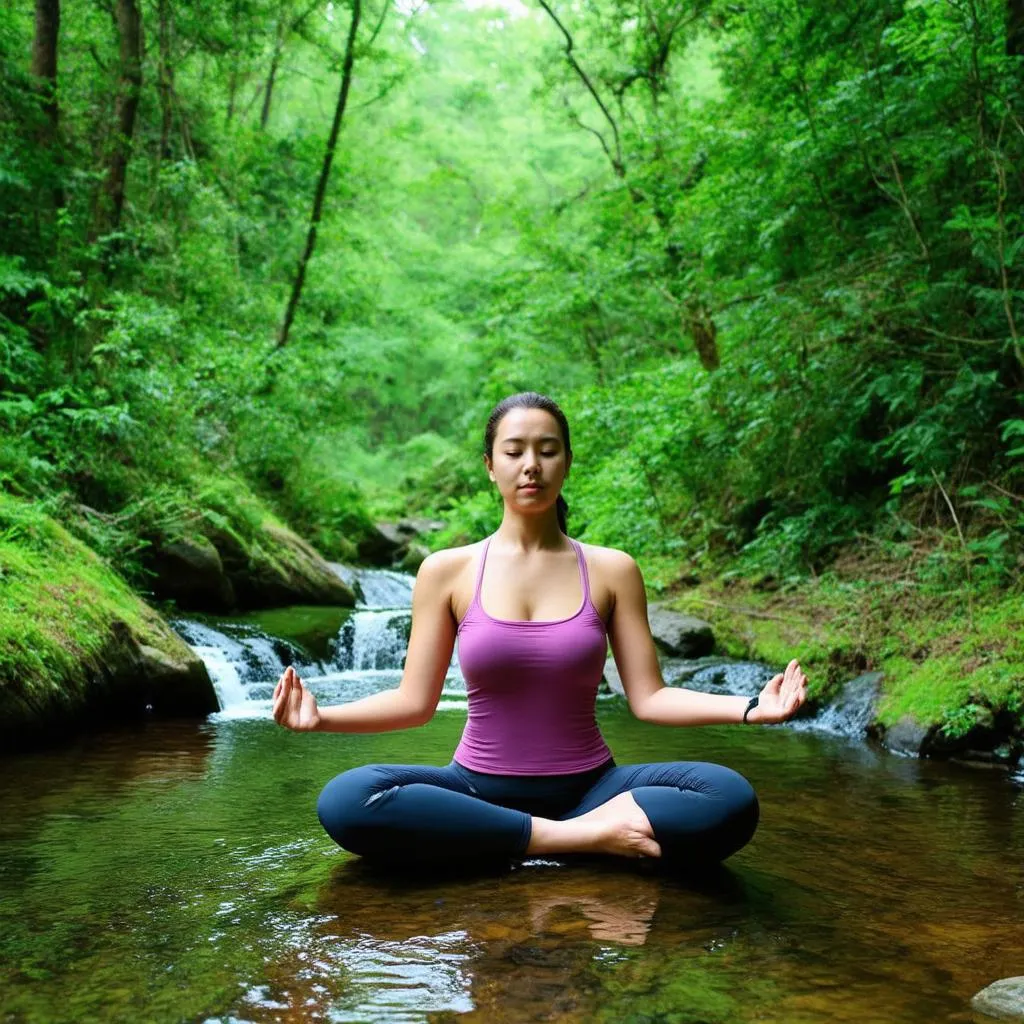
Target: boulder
381, 545
907, 736
220, 572
1003, 999
81, 650
681, 636
415, 526
285, 569
612, 677
190, 573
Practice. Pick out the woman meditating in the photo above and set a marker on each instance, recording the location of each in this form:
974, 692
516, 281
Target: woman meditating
533, 611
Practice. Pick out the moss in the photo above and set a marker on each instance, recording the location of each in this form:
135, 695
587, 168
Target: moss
253, 559
946, 660
70, 628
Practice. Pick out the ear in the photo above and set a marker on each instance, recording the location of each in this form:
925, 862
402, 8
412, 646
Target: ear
490, 471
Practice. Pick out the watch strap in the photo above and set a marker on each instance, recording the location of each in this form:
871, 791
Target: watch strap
750, 707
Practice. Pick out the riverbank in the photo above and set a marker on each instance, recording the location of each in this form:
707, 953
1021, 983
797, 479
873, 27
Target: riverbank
951, 661
84, 643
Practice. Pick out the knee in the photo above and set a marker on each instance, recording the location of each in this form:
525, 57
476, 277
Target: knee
740, 808
344, 803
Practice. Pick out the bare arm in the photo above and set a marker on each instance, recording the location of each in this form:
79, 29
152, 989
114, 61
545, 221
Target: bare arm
415, 699
648, 696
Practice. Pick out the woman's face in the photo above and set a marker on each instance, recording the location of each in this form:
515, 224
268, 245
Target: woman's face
528, 448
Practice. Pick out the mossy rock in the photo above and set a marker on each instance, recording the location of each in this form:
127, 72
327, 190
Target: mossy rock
236, 556
77, 646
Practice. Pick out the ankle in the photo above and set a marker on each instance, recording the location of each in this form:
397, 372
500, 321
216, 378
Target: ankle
549, 836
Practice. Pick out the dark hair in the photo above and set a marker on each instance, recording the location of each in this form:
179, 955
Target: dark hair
530, 400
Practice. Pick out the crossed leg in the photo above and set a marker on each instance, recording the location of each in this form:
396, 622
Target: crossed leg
683, 812
695, 811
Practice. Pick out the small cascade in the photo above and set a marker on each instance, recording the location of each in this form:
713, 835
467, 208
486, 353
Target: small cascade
849, 715
377, 588
366, 656
852, 711
373, 640
227, 683
243, 662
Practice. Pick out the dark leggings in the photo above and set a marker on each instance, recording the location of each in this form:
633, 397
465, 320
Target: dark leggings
412, 814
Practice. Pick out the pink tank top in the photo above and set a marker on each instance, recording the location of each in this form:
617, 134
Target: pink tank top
532, 688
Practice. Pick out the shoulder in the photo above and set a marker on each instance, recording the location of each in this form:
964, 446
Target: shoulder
610, 562
447, 563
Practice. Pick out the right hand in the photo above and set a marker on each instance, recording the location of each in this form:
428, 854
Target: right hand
294, 706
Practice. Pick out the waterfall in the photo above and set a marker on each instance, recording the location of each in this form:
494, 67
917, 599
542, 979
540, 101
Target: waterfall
366, 656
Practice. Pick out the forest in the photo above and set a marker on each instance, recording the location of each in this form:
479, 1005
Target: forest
274, 261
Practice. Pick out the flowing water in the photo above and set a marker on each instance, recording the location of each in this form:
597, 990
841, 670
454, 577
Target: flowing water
177, 872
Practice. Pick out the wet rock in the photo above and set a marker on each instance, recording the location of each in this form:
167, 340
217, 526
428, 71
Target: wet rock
397, 545
852, 712
1003, 999
681, 636
191, 573
907, 736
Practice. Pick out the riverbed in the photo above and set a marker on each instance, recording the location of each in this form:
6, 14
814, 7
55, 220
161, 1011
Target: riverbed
176, 871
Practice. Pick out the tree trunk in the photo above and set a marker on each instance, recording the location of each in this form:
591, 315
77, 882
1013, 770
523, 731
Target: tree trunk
44, 62
129, 27
275, 60
1015, 28
165, 84
325, 172
232, 89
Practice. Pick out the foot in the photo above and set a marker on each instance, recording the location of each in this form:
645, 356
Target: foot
621, 828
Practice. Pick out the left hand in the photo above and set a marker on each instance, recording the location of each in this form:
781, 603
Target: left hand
781, 697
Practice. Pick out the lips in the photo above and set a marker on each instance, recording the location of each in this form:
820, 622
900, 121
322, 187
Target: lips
530, 487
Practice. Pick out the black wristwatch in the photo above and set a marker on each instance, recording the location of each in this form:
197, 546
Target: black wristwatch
750, 707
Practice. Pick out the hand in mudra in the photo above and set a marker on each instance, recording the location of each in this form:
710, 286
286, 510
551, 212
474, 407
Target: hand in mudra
294, 706
782, 696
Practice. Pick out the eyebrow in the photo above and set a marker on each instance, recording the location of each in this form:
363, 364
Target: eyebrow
522, 440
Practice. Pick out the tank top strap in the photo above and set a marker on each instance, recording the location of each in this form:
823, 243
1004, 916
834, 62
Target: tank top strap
584, 575
480, 570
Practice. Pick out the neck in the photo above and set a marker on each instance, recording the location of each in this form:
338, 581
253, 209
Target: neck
531, 533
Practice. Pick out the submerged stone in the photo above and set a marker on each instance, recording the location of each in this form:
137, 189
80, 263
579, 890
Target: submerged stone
1003, 999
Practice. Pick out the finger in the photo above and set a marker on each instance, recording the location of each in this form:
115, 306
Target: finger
772, 686
279, 701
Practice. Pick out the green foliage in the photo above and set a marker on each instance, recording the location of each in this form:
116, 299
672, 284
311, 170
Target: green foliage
824, 206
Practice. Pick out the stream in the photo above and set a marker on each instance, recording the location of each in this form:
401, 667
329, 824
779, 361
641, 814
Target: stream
176, 871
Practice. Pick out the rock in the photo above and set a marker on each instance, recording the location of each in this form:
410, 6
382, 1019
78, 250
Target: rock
286, 570
1003, 999
612, 677
218, 572
907, 736
190, 572
413, 558
853, 710
413, 526
177, 681
81, 650
381, 545
681, 636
